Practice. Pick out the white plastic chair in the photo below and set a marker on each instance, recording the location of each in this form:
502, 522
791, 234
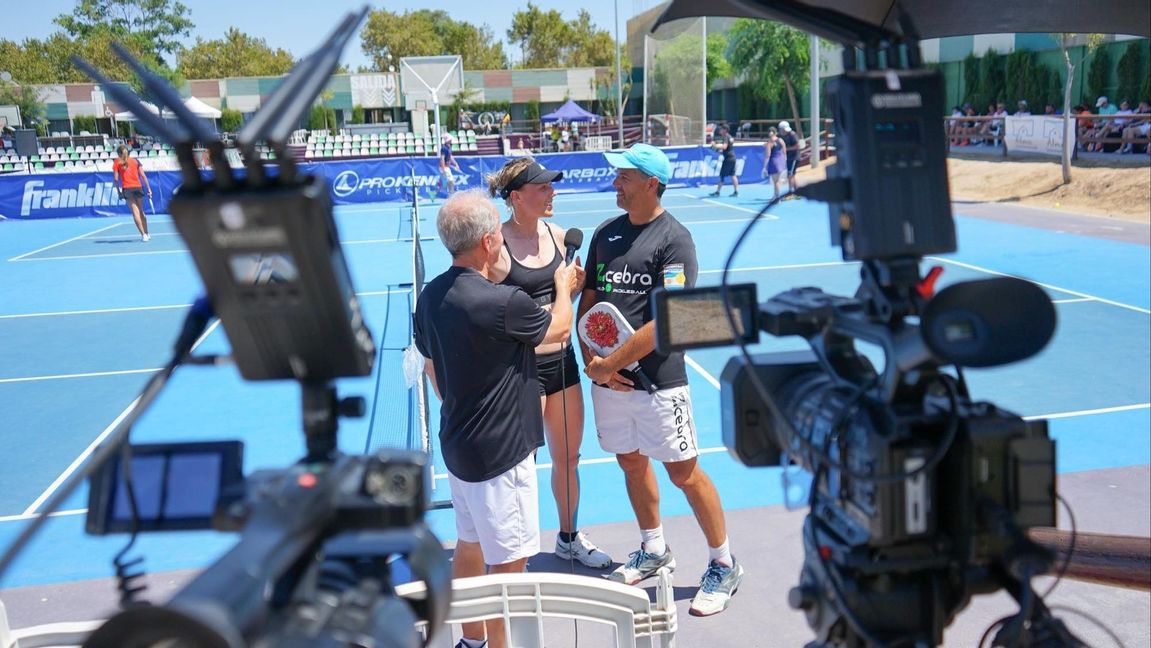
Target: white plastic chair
72, 633
523, 601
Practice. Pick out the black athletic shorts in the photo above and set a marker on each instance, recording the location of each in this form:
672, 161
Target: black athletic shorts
727, 169
133, 192
553, 377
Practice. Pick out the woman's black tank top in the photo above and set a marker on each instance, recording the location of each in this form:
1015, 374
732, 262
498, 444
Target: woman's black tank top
538, 283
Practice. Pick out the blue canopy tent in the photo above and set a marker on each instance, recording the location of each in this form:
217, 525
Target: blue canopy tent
570, 112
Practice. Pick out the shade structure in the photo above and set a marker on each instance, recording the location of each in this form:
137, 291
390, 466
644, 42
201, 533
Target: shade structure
940, 18
198, 108
570, 112
127, 116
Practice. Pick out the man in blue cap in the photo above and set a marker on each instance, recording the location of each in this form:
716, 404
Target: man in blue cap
628, 257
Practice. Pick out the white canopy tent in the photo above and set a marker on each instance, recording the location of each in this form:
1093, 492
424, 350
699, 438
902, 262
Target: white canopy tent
127, 116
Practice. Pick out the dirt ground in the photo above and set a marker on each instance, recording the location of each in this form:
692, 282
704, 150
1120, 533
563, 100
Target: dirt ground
1122, 192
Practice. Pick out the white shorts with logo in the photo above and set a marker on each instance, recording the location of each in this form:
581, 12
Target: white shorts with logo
659, 425
501, 514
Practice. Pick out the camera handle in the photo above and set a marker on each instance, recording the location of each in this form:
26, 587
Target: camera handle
322, 409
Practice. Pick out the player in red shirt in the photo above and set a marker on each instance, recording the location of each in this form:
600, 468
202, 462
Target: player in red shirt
132, 182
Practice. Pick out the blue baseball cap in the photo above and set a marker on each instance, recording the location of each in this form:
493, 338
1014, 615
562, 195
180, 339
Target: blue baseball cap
644, 157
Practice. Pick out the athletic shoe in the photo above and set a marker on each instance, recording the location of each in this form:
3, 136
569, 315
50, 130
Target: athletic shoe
734, 194
461, 644
583, 550
640, 565
147, 238
718, 585
714, 193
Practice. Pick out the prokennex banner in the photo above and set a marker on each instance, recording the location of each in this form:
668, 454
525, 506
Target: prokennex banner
64, 195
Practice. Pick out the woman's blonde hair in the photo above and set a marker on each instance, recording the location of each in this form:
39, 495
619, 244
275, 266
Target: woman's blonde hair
500, 179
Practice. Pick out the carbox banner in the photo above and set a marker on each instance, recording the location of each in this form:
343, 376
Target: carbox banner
1034, 134
70, 195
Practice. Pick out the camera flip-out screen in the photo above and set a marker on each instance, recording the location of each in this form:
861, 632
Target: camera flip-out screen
176, 486
695, 317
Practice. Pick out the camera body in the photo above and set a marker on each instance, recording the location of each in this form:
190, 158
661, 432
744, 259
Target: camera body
920, 496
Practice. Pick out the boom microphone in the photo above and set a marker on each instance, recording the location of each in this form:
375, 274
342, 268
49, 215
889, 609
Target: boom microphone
572, 241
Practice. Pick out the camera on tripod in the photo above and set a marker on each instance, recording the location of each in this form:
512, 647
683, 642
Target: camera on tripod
318, 541
920, 496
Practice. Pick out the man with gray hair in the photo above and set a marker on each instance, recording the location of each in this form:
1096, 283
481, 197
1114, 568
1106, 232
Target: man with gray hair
479, 341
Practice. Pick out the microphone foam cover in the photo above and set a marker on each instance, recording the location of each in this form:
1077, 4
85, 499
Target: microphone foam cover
988, 322
573, 238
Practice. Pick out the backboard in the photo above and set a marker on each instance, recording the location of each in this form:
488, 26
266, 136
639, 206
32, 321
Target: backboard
430, 79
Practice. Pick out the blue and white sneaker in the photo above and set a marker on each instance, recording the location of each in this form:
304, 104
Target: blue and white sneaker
640, 565
718, 585
583, 550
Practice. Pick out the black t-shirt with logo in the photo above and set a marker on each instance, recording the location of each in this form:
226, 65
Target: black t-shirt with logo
626, 262
791, 140
481, 338
729, 148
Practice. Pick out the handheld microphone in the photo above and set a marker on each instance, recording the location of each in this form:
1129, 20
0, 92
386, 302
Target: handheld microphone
572, 241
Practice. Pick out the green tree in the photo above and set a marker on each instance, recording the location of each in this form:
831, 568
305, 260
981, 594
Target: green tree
231, 120
971, 93
588, 46
1097, 73
1065, 40
159, 25
542, 36
357, 114
235, 55
387, 37
82, 123
992, 79
776, 59
1130, 71
33, 111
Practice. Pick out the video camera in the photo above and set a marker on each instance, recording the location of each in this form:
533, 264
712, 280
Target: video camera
318, 540
921, 496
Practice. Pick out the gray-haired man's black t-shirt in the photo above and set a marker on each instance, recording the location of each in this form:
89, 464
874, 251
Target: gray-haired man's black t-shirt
625, 262
481, 338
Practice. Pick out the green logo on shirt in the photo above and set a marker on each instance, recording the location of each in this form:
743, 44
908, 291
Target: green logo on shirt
600, 278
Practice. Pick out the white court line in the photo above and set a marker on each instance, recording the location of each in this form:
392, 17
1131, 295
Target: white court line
96, 311
703, 372
1065, 290
29, 516
74, 238
153, 234
738, 208
1075, 300
100, 439
792, 266
97, 256
1103, 410
94, 374
135, 309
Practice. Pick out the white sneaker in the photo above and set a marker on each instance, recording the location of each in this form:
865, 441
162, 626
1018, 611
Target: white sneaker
583, 550
718, 585
146, 238
640, 565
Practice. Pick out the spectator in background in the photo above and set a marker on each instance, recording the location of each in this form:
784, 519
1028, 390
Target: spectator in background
1101, 128
1137, 128
955, 125
1021, 109
565, 138
1050, 111
791, 146
775, 159
478, 340
723, 144
447, 161
129, 177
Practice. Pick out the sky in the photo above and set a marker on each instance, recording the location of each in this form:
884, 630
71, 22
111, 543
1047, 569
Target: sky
299, 25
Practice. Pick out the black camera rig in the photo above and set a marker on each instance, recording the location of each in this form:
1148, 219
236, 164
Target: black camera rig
920, 497
313, 565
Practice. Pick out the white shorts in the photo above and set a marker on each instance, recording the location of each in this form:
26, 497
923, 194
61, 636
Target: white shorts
501, 514
659, 425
